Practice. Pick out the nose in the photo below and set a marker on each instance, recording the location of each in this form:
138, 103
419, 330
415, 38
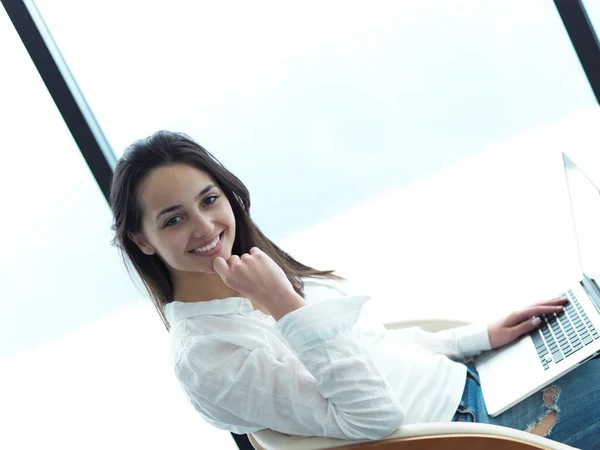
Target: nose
202, 225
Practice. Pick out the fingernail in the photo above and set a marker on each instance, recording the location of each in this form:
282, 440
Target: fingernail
536, 321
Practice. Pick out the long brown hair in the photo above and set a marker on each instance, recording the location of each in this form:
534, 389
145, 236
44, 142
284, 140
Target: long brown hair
166, 148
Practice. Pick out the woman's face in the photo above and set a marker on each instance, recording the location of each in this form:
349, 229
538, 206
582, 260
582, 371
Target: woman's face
187, 219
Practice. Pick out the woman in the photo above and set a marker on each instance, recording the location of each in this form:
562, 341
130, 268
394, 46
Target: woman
260, 340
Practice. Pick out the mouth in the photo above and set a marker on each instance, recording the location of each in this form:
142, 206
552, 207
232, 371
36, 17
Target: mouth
211, 248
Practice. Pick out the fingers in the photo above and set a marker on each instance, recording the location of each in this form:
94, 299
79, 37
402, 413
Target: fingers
520, 316
521, 322
221, 267
553, 301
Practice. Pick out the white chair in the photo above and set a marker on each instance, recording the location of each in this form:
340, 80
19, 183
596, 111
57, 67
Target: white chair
439, 436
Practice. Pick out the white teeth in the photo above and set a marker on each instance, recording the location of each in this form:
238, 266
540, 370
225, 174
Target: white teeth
208, 247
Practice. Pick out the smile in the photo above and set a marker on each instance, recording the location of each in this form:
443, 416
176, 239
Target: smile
207, 248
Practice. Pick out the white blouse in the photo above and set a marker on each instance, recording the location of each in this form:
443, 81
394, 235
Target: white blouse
324, 369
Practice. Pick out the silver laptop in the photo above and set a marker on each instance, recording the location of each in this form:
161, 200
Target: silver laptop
563, 341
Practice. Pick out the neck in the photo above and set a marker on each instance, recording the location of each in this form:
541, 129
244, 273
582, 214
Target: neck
198, 287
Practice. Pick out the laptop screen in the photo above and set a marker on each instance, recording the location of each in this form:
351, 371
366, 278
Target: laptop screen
585, 206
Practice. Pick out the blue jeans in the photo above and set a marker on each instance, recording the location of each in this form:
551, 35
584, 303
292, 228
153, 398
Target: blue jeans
577, 404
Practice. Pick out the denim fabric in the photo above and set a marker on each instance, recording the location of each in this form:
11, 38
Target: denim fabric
577, 405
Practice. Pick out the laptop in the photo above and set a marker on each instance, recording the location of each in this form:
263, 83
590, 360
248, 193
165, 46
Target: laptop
563, 341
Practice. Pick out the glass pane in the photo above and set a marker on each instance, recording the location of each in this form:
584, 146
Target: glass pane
333, 103
592, 7
84, 360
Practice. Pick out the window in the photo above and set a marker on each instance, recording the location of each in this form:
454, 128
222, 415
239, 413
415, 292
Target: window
71, 318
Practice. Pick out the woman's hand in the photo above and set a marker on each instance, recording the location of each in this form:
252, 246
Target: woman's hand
521, 322
257, 277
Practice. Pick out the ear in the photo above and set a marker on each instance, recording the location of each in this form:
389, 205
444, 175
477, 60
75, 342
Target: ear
141, 243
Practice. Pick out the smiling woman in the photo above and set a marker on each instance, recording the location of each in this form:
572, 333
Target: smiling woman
259, 340
170, 234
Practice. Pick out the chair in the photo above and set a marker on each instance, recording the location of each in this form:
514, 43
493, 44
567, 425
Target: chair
439, 436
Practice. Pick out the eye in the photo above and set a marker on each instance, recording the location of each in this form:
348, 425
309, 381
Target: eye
172, 221
210, 199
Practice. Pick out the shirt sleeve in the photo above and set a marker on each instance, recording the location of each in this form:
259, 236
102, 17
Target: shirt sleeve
457, 343
332, 388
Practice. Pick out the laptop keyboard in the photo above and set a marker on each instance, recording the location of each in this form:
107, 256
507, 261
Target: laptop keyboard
561, 335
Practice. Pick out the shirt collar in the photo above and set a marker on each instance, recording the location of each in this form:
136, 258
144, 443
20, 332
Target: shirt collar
175, 310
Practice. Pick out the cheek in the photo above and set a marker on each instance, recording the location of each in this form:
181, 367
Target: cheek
231, 222
172, 242
179, 240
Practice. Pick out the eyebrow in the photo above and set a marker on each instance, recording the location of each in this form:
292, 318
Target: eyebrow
176, 207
